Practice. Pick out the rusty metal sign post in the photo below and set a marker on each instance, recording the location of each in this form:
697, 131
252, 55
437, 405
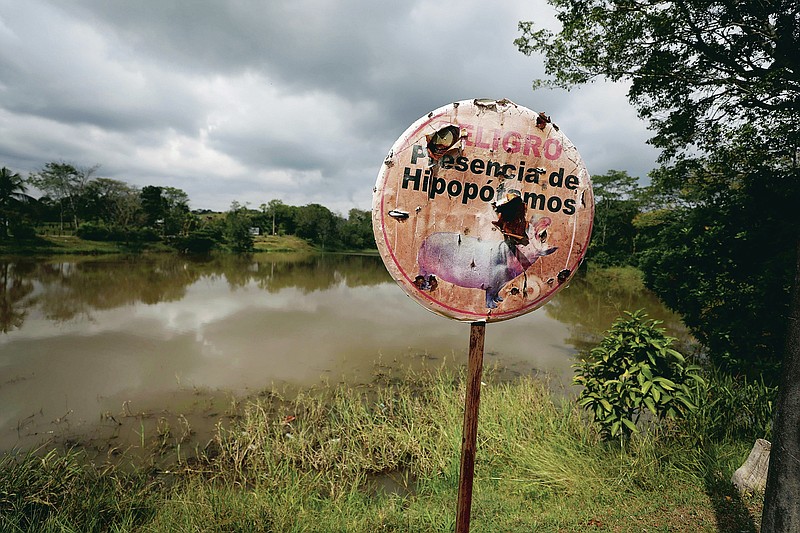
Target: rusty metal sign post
482, 212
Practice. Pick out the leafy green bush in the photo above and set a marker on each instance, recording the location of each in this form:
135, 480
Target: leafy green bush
633, 369
201, 241
97, 231
93, 231
236, 230
22, 230
140, 235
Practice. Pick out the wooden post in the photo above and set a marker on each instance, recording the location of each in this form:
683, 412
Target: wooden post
469, 434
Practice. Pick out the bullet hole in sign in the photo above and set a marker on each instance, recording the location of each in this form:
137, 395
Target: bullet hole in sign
542, 120
442, 140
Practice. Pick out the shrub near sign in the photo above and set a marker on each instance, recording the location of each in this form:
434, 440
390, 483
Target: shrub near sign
482, 210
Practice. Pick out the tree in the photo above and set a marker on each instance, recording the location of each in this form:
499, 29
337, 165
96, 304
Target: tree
616, 206
717, 253
111, 201
356, 231
279, 218
63, 182
153, 205
237, 229
166, 208
12, 194
177, 216
690, 64
316, 223
270, 212
702, 71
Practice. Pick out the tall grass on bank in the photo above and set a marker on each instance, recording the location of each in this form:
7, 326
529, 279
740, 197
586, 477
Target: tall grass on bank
309, 465
733, 407
386, 458
61, 492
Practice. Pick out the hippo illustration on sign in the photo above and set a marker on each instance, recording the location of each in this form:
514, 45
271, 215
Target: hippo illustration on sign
472, 263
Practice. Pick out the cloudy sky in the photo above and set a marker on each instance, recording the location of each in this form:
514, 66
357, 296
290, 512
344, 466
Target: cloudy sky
251, 100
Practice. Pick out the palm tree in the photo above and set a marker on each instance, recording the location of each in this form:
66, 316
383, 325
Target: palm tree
12, 193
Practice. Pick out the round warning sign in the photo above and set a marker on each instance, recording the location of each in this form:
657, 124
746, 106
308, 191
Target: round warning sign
482, 210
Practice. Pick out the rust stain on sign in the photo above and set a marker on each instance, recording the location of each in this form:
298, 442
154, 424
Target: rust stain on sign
480, 207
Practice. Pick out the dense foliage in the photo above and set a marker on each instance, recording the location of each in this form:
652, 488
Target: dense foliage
725, 260
693, 66
713, 238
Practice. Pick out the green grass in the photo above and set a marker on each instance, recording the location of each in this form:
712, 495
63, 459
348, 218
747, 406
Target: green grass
59, 492
385, 458
292, 243
281, 243
72, 245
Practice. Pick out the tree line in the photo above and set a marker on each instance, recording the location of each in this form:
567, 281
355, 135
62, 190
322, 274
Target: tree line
76, 199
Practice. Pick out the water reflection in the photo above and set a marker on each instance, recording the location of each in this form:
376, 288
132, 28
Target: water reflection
14, 293
68, 289
82, 338
595, 299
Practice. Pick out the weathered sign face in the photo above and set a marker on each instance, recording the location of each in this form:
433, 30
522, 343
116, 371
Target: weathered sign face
482, 210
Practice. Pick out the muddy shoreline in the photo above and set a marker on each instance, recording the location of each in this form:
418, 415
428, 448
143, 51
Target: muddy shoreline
145, 432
